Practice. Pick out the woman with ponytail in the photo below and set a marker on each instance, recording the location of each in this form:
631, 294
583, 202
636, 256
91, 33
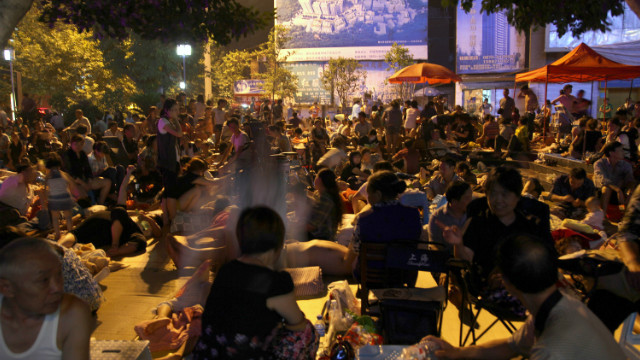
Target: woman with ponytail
326, 213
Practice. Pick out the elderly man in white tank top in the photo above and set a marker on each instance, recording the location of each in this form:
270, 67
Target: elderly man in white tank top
38, 321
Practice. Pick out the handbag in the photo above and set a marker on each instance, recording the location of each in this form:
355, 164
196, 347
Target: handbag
289, 344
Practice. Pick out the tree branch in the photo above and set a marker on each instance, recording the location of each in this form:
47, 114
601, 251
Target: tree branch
11, 12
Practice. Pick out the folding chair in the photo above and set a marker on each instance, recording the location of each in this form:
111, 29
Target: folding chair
408, 313
431, 153
118, 153
628, 340
461, 271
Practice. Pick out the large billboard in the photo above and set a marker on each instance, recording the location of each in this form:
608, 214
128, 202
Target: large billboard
487, 43
623, 28
310, 87
360, 29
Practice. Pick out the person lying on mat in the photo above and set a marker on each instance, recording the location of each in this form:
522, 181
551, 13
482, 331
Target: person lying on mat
558, 327
114, 229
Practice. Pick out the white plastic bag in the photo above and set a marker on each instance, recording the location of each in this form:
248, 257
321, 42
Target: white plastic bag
346, 300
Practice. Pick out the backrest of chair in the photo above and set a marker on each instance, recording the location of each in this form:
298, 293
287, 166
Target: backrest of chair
371, 276
401, 262
118, 152
372, 252
408, 257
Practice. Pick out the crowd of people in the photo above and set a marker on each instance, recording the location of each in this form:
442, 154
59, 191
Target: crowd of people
255, 191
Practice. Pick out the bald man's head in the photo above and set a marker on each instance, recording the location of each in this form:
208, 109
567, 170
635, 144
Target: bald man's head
528, 263
14, 255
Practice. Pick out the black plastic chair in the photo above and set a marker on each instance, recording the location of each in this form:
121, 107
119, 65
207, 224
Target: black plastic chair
408, 313
462, 272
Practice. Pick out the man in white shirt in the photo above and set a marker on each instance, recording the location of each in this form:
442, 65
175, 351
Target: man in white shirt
80, 120
558, 327
15, 191
37, 320
410, 121
200, 106
88, 140
113, 130
334, 157
355, 110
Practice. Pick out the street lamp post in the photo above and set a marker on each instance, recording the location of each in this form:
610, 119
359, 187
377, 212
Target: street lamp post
184, 50
8, 56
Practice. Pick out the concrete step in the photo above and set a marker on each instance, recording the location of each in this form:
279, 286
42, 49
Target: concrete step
569, 163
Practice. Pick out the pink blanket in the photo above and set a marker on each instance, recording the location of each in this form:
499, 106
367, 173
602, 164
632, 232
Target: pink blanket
169, 334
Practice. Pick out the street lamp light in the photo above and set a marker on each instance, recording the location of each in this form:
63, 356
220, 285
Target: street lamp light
184, 50
9, 56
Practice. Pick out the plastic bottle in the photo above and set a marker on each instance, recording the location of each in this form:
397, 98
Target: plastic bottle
334, 313
334, 318
423, 351
319, 325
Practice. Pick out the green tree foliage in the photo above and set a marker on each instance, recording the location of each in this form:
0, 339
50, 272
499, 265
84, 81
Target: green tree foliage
279, 82
228, 67
153, 66
397, 58
166, 20
66, 65
342, 77
574, 16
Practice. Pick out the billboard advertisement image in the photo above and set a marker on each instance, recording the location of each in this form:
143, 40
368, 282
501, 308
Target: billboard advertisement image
360, 29
248, 87
310, 87
487, 43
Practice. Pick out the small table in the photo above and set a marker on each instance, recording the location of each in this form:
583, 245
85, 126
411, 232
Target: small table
380, 352
119, 350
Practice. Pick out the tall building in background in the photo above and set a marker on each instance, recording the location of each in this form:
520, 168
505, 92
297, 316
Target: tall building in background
306, 6
495, 34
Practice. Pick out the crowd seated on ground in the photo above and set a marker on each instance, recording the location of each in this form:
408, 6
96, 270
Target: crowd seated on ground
389, 173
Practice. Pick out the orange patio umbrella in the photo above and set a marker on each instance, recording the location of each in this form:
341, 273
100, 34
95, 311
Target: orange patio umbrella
424, 73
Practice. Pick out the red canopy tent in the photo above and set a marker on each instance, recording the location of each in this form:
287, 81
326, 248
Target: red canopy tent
582, 64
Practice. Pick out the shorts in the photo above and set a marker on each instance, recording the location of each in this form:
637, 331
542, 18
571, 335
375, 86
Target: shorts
393, 130
170, 183
63, 203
